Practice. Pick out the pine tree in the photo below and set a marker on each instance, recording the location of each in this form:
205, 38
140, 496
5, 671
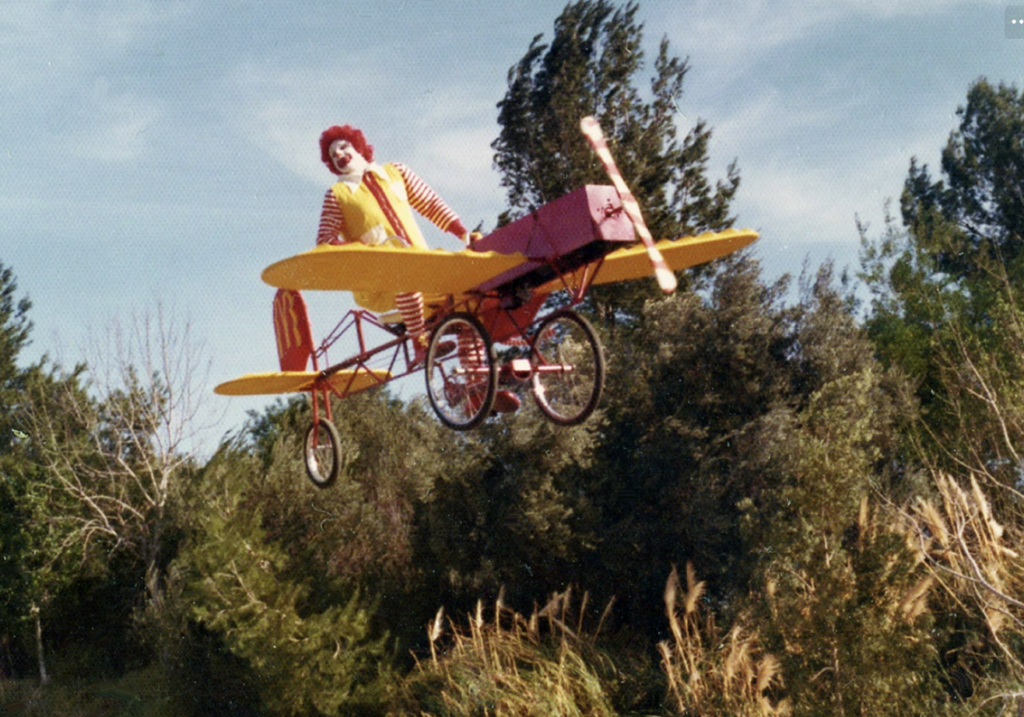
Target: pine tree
974, 219
595, 65
38, 558
250, 591
14, 335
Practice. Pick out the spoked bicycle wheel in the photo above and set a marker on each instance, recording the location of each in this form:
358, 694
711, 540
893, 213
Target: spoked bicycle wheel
568, 368
462, 375
322, 451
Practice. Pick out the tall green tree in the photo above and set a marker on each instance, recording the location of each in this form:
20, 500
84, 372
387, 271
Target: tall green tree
366, 532
516, 514
686, 398
972, 221
15, 328
125, 465
594, 65
38, 560
946, 282
838, 595
961, 236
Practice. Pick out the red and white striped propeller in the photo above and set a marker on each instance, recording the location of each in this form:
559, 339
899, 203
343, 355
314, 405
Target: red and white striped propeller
592, 131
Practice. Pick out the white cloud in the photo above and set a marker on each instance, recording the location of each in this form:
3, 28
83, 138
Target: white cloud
822, 139
806, 202
462, 156
452, 134
63, 77
739, 31
43, 42
283, 111
770, 119
796, 203
115, 126
444, 134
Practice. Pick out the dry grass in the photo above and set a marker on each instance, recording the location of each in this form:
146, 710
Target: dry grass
711, 674
975, 559
509, 665
548, 664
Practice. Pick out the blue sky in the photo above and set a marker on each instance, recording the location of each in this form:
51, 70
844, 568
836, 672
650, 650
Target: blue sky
166, 151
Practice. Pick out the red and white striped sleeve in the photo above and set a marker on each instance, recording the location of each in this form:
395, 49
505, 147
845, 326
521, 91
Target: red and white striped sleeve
332, 222
427, 202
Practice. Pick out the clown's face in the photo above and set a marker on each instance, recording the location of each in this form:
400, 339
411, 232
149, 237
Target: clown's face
345, 157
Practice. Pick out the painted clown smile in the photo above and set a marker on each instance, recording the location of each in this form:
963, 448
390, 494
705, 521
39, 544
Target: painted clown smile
345, 157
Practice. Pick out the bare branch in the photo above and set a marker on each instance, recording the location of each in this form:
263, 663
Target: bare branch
117, 447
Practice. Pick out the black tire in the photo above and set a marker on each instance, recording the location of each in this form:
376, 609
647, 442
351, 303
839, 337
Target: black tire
461, 372
322, 453
568, 368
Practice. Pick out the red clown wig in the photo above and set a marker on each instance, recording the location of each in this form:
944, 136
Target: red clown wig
352, 135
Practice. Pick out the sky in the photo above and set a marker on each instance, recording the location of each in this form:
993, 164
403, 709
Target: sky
162, 153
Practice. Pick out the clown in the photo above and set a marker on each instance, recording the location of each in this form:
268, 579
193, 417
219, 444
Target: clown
372, 204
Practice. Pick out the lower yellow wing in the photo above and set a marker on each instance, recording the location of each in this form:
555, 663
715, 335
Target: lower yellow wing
258, 384
361, 268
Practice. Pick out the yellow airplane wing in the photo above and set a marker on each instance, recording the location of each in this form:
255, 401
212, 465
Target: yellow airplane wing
357, 267
632, 262
258, 384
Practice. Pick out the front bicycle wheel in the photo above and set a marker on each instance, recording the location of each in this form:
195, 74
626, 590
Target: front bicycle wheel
462, 375
322, 451
568, 368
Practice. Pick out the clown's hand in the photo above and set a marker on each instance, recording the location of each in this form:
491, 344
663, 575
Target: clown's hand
470, 239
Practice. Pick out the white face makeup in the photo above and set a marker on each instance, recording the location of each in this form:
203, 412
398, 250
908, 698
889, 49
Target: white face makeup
345, 158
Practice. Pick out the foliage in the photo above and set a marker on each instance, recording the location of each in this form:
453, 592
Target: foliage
517, 515
40, 562
14, 333
240, 587
947, 311
975, 218
830, 574
15, 328
686, 396
119, 449
945, 286
971, 442
843, 601
137, 694
367, 530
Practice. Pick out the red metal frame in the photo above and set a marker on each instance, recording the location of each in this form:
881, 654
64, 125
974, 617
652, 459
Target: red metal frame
519, 313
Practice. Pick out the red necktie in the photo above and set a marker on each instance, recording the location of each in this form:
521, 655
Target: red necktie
373, 184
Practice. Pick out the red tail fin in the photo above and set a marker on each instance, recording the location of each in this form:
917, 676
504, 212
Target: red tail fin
291, 328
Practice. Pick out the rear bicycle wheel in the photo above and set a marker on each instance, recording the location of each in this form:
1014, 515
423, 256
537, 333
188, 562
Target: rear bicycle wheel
568, 368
